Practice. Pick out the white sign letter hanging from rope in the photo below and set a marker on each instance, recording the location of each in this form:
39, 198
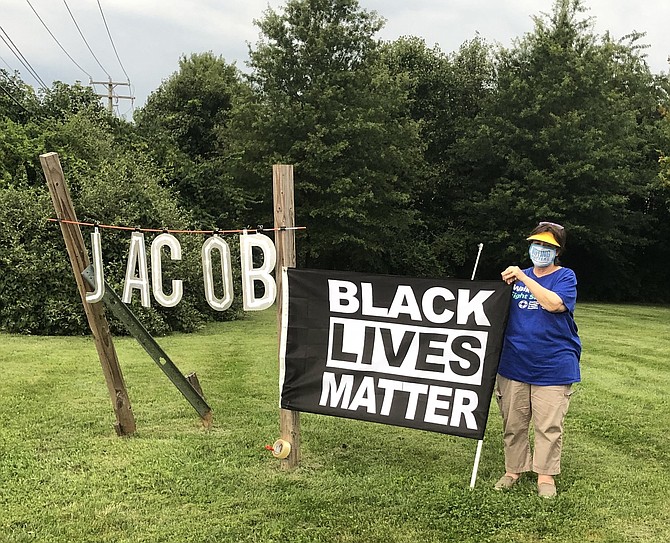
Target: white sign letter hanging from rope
137, 256
165, 240
219, 304
263, 274
96, 248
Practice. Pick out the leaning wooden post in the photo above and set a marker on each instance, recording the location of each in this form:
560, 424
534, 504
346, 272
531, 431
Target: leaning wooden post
74, 242
284, 216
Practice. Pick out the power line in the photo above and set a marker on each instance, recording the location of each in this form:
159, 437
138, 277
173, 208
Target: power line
83, 38
132, 102
10, 79
131, 110
7, 64
23, 60
56, 40
17, 53
112, 42
13, 99
11, 72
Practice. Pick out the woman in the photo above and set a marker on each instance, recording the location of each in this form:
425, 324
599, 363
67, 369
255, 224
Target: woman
539, 361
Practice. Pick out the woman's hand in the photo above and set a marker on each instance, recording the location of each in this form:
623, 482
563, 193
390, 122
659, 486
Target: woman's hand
512, 274
548, 299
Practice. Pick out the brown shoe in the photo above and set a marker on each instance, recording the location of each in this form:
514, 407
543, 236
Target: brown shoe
505, 482
546, 490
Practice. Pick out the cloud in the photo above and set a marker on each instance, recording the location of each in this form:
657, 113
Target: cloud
151, 35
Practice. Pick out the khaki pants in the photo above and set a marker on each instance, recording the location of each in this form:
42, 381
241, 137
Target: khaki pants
545, 406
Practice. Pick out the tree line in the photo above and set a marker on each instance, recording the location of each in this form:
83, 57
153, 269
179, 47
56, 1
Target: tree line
405, 157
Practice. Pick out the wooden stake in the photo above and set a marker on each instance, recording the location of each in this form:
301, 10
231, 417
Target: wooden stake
195, 383
74, 242
284, 215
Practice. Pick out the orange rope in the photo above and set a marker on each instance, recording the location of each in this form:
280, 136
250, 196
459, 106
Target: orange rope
171, 231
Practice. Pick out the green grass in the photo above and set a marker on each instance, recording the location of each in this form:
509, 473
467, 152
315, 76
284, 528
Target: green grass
66, 477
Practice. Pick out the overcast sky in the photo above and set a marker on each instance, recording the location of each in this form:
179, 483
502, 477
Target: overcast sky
151, 35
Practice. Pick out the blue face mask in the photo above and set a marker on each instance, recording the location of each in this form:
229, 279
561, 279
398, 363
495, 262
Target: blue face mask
541, 256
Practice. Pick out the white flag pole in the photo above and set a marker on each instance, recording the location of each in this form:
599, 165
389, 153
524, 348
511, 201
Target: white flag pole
479, 253
475, 466
480, 443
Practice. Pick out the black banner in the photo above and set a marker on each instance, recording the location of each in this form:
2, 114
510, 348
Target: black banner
421, 353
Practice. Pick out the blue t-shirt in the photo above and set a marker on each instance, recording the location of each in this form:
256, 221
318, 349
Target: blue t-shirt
540, 347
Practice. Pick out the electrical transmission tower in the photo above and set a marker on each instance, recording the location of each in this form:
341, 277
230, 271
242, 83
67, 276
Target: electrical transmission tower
111, 85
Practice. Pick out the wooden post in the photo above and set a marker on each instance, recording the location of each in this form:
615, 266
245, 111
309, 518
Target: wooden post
74, 242
284, 216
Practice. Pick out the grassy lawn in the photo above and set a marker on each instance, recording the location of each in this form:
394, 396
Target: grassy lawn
66, 477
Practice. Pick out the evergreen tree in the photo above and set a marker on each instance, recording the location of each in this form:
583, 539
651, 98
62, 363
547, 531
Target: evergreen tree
569, 137
445, 94
324, 103
182, 122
